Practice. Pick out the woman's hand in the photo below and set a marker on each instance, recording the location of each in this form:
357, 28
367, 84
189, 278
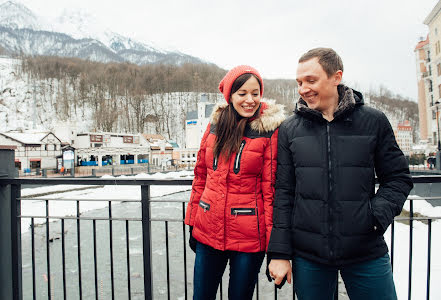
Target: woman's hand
278, 269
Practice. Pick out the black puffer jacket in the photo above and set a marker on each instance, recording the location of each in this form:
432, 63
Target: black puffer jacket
325, 207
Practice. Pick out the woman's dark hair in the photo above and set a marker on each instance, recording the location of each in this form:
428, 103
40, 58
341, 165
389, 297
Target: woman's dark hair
231, 125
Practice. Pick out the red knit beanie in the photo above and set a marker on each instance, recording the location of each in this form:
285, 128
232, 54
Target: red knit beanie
227, 82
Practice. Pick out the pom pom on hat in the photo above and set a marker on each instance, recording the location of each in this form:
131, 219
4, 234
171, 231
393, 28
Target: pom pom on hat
227, 82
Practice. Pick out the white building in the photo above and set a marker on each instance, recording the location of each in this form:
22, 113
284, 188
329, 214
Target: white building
404, 137
35, 150
186, 156
161, 151
106, 148
196, 123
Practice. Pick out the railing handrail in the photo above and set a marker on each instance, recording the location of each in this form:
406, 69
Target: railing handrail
146, 219
102, 181
152, 181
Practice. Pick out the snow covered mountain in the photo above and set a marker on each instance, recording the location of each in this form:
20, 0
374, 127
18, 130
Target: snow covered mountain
77, 34
15, 15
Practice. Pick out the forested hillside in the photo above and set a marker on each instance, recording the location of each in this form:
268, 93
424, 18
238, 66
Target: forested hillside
124, 97
131, 98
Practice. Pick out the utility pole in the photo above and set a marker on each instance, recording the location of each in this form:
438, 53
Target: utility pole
438, 152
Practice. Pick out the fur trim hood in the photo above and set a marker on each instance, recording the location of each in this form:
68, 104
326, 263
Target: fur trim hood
269, 118
348, 99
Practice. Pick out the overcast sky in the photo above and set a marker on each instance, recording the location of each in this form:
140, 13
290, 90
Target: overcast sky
375, 38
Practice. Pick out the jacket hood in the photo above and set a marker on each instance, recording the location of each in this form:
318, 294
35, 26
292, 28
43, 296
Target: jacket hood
348, 100
270, 116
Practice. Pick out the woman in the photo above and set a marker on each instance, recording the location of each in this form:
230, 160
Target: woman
230, 210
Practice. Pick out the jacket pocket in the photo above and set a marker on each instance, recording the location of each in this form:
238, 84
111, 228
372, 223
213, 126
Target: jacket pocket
204, 205
374, 223
356, 218
243, 211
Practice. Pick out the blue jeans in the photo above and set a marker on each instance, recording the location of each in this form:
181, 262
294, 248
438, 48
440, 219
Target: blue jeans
210, 265
367, 280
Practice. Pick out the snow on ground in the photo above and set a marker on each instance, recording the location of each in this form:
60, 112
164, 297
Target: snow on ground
419, 264
423, 207
401, 246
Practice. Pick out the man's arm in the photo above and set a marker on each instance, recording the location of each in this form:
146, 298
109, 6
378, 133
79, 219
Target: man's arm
268, 182
280, 244
280, 241
393, 174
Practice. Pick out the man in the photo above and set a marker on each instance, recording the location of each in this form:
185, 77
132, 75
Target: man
327, 216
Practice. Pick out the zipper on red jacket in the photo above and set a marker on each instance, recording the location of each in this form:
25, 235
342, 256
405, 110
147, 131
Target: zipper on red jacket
236, 168
215, 164
204, 205
243, 211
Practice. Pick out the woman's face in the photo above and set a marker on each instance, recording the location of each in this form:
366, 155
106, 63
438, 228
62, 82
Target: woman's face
246, 99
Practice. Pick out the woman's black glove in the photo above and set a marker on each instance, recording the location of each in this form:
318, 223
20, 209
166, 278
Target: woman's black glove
192, 241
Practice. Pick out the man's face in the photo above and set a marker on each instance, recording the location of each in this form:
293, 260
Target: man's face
315, 87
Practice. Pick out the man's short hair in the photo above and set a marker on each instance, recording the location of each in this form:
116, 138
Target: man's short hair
329, 59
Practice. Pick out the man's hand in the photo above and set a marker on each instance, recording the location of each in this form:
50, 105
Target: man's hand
279, 268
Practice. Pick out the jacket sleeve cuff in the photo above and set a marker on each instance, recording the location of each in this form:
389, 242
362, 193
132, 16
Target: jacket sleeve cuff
280, 241
276, 255
383, 216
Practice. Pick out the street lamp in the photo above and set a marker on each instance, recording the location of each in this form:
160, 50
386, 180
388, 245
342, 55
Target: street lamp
438, 153
437, 124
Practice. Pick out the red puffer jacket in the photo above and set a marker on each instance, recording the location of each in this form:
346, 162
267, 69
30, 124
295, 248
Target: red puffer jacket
231, 204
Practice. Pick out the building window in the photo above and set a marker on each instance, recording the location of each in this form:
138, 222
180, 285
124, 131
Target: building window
433, 115
439, 91
438, 68
437, 48
46, 147
35, 164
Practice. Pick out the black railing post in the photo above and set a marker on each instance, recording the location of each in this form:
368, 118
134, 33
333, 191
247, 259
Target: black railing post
10, 235
429, 246
147, 241
185, 252
409, 295
16, 238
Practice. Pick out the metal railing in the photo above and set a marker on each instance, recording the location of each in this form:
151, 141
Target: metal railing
13, 188
114, 170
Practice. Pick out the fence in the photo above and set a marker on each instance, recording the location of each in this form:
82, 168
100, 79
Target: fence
74, 249
87, 171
